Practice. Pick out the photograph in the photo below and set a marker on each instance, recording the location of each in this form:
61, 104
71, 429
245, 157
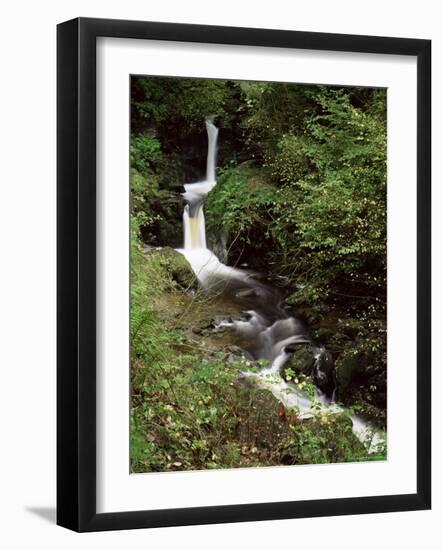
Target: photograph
258, 274
220, 333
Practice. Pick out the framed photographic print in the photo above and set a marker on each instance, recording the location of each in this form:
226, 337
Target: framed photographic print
243, 274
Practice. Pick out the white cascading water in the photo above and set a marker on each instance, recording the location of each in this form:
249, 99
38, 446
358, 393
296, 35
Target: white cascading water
193, 216
208, 269
271, 340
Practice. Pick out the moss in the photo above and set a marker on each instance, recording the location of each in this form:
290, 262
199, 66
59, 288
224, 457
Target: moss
302, 360
178, 267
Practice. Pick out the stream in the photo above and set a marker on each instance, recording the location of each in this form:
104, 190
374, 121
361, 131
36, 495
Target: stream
266, 328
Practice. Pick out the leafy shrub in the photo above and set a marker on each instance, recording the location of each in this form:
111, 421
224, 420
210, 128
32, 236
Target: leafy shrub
240, 206
144, 152
324, 440
289, 163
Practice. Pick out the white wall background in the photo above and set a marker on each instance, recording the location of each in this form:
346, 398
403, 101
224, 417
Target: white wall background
27, 276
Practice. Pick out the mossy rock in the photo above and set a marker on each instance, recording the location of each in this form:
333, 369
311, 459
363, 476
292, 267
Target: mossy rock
235, 352
302, 360
179, 268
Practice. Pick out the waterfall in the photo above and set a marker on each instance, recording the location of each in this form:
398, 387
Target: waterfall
194, 229
207, 267
193, 216
272, 334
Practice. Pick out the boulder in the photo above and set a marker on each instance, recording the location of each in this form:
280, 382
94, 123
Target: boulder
315, 362
179, 268
235, 352
302, 358
324, 373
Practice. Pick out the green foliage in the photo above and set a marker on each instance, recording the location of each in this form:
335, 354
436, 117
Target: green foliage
144, 152
160, 102
187, 407
323, 440
239, 206
300, 380
362, 363
289, 162
337, 209
154, 207
175, 392
273, 110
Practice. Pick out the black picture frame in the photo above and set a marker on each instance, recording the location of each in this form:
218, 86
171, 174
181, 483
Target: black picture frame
77, 287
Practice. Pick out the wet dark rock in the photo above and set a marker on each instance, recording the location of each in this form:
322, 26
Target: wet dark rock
246, 316
218, 245
314, 362
324, 372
